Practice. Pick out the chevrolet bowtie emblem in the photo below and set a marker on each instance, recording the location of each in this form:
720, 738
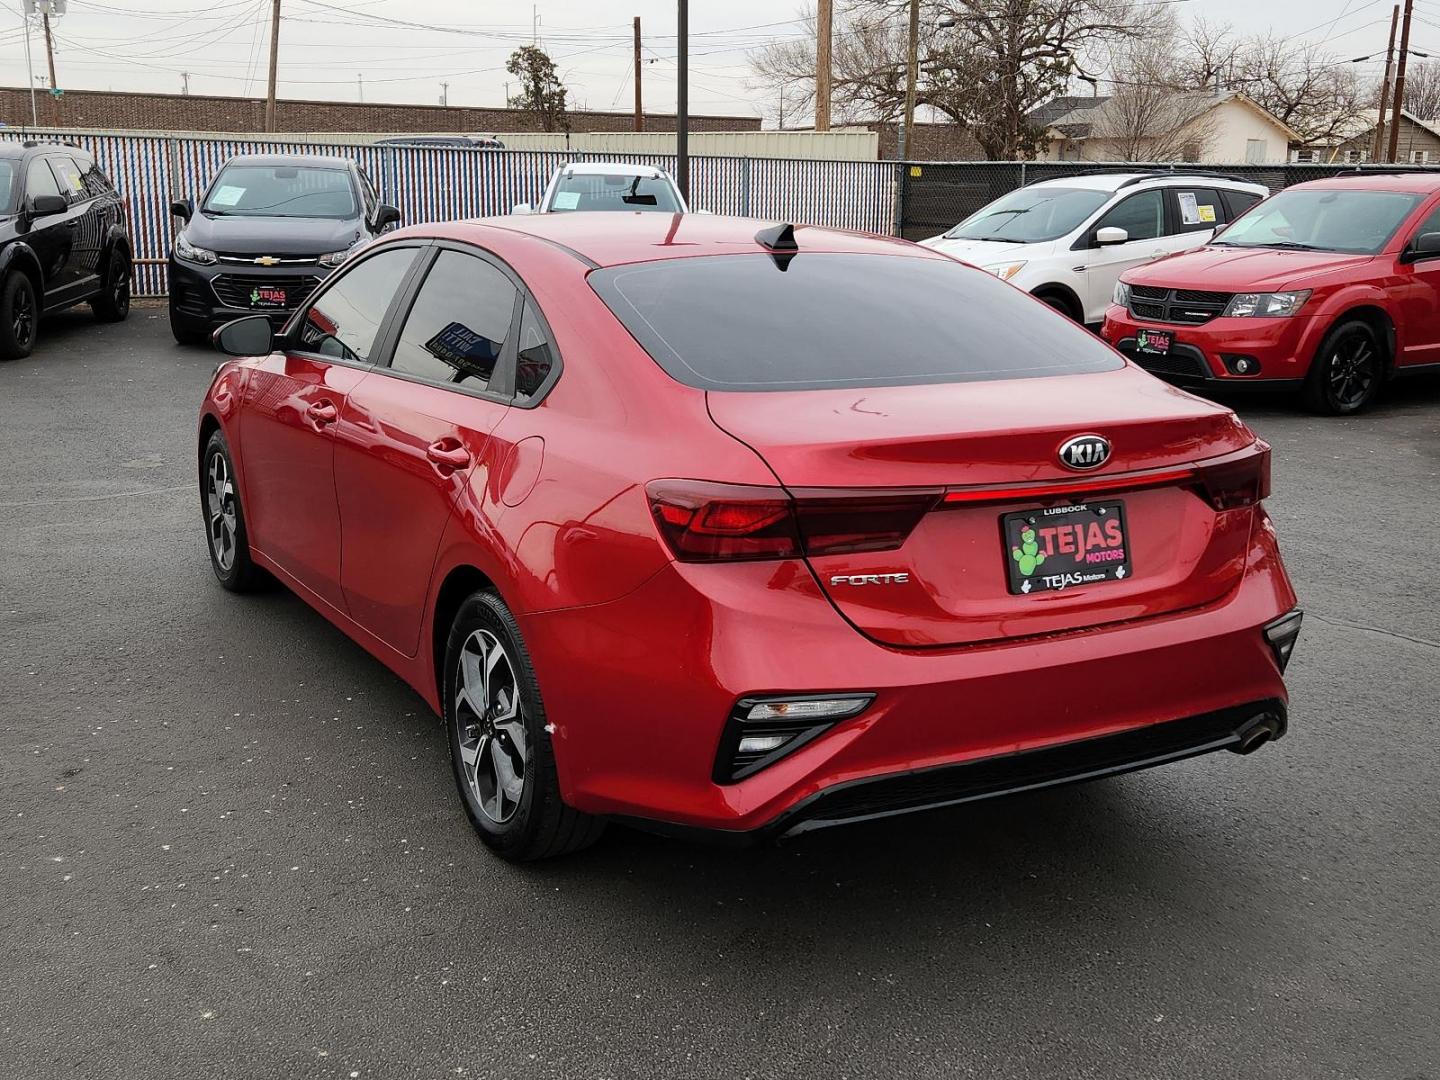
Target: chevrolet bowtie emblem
267, 260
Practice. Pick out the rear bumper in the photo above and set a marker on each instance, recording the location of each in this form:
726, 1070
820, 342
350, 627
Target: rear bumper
639, 691
1283, 349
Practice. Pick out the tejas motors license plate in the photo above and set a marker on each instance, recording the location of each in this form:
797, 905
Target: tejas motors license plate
1062, 547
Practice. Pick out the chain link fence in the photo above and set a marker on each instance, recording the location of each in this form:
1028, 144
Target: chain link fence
934, 196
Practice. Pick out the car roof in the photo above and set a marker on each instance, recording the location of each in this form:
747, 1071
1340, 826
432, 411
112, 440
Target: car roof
610, 168
1421, 183
14, 149
1114, 181
317, 161
608, 238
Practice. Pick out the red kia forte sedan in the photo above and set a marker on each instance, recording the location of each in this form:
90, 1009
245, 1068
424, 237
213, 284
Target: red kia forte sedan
744, 529
1329, 288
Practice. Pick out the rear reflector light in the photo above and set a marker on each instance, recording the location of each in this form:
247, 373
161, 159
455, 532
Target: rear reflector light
761, 731
1282, 635
709, 522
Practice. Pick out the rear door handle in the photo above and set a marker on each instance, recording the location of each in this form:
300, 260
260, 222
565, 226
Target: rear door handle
323, 412
448, 454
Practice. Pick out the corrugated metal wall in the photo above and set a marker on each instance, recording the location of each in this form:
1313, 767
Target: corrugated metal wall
807, 145
437, 184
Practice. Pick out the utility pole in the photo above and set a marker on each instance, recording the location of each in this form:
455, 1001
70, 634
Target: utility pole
682, 101
274, 64
184, 82
444, 93
639, 101
912, 76
1400, 82
29, 68
49, 50
360, 82
824, 20
1385, 86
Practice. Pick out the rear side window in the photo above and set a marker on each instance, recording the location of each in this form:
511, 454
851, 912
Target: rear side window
96, 182
536, 356
344, 321
458, 326
822, 320
1197, 209
68, 175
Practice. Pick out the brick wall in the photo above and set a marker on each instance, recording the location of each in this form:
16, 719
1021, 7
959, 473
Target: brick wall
115, 111
928, 142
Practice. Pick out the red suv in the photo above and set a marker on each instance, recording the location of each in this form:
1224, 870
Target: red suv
1330, 288
746, 528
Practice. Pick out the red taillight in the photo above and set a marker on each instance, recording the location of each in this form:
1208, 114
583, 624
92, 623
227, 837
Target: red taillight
1237, 480
710, 522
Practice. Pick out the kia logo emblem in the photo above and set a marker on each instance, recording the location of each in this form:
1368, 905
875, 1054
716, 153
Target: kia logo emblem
1085, 452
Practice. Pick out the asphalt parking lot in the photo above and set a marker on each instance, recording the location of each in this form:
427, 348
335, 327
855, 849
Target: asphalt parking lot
231, 847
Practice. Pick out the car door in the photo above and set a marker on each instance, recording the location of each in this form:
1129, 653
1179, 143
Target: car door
414, 432
293, 401
52, 237
84, 217
1142, 216
1418, 326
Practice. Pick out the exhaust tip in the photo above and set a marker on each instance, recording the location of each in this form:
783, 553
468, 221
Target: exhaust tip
1256, 732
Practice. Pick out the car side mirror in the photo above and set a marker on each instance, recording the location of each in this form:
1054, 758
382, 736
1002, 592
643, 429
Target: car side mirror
521, 208
183, 209
385, 216
1424, 246
48, 205
1110, 236
249, 336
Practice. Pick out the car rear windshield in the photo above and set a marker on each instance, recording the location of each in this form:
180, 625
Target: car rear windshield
592, 191
1032, 215
818, 320
282, 191
1322, 219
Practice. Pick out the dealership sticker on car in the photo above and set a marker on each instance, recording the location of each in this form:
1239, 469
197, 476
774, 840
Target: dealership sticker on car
1061, 547
1154, 342
267, 296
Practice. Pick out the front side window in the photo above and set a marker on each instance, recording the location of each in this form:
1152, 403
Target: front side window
825, 320
344, 321
8, 186
1354, 221
67, 173
1031, 215
457, 328
287, 191
39, 180
592, 191
1142, 216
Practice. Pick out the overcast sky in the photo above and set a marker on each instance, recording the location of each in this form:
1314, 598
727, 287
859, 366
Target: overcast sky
327, 46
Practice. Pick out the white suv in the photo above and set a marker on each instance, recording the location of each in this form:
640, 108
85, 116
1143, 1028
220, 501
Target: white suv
608, 185
1067, 241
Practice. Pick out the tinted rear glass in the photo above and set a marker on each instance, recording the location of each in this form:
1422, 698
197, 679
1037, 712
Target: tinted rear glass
740, 322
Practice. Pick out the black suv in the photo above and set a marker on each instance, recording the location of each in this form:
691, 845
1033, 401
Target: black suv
268, 230
62, 240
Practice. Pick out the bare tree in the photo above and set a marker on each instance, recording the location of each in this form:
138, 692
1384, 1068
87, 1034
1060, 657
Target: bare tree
1302, 86
1205, 54
1422, 89
1152, 115
1001, 59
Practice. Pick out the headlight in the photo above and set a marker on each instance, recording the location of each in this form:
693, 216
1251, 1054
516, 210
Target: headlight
335, 258
1122, 295
1005, 271
190, 253
1266, 305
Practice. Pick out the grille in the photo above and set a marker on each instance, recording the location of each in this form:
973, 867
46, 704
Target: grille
1082, 760
1187, 307
233, 290
284, 260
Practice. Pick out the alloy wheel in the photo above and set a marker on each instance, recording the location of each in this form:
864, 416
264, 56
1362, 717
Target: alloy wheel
120, 287
1352, 371
220, 504
491, 726
22, 317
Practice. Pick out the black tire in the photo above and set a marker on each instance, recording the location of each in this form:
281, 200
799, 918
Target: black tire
1347, 371
19, 317
186, 332
1060, 304
230, 548
538, 824
113, 302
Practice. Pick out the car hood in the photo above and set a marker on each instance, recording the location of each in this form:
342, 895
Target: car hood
272, 235
1230, 269
984, 252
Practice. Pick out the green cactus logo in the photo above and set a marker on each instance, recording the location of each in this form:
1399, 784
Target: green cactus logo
254, 297
1028, 555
